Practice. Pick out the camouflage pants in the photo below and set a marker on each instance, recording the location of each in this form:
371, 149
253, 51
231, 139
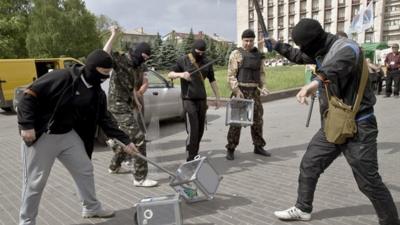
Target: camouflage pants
256, 128
128, 123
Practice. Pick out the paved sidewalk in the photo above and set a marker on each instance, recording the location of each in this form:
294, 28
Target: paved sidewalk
253, 186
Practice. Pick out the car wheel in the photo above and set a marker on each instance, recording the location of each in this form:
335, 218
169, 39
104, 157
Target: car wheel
8, 109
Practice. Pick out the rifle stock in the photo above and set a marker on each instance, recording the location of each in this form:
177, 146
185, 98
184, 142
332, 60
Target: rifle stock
267, 42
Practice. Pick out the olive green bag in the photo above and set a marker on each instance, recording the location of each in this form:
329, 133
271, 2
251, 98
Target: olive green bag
339, 119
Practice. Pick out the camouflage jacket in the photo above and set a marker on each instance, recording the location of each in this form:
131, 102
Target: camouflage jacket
123, 82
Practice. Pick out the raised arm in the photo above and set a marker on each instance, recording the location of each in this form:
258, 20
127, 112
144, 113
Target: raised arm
108, 46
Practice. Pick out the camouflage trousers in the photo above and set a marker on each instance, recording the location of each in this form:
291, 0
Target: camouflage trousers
256, 128
128, 123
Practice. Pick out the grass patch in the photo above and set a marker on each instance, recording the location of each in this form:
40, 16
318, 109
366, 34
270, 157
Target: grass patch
278, 78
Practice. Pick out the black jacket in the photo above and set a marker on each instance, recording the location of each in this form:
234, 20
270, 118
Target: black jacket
343, 70
55, 91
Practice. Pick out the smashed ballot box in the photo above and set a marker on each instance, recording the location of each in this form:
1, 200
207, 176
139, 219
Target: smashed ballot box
239, 112
196, 180
164, 210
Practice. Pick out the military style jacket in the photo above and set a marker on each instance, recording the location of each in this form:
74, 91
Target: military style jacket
123, 83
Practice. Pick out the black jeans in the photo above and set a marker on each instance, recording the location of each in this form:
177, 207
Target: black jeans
393, 76
361, 154
195, 117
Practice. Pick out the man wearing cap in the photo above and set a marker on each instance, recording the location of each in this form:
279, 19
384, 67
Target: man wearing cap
194, 94
339, 66
392, 63
246, 79
124, 92
57, 117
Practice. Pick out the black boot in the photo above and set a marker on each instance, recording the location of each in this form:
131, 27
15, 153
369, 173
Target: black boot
230, 154
260, 151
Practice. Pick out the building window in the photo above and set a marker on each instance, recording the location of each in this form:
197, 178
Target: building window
327, 27
328, 16
270, 24
328, 4
280, 23
291, 21
341, 14
315, 5
251, 15
251, 25
314, 15
303, 5
270, 12
280, 35
292, 8
280, 11
303, 15
369, 37
340, 26
354, 10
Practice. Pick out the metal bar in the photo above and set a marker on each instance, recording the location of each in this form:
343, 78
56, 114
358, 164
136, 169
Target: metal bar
147, 159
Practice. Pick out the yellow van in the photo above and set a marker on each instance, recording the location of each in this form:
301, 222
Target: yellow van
18, 72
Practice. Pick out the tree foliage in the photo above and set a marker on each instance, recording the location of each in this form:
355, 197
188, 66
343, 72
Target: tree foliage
13, 26
61, 27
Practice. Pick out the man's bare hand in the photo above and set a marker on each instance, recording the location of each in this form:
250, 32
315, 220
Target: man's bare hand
113, 29
239, 94
186, 76
28, 135
131, 149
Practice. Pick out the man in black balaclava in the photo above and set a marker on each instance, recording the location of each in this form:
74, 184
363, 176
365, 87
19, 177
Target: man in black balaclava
125, 102
58, 116
193, 93
339, 64
95, 59
140, 54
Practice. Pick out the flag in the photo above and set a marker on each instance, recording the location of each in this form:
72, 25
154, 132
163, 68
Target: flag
368, 16
363, 20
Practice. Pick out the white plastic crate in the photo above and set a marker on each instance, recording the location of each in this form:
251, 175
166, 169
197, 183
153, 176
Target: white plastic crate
239, 112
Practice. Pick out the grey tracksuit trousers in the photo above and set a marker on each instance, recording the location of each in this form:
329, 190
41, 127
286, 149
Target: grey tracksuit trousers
38, 160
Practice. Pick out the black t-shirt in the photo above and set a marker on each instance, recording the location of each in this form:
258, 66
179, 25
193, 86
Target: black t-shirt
194, 89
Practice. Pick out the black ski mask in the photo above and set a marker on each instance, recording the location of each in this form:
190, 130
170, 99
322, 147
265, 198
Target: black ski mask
136, 53
97, 58
201, 46
309, 35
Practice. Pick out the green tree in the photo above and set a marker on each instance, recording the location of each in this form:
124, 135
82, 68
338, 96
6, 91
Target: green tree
13, 26
187, 43
61, 27
167, 56
155, 52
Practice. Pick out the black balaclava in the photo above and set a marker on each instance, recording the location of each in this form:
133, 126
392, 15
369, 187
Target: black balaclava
97, 58
309, 35
249, 33
200, 45
136, 53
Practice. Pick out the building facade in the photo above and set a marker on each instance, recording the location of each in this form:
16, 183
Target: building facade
335, 15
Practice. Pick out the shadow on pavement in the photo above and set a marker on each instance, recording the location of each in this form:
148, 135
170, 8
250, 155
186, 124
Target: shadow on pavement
346, 211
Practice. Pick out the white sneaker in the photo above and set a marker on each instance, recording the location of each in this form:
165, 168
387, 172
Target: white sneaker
119, 170
102, 213
293, 214
145, 183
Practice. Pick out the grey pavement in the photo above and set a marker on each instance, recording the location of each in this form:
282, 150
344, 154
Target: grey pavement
253, 186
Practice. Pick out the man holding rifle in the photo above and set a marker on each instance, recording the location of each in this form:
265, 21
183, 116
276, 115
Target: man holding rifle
339, 67
189, 68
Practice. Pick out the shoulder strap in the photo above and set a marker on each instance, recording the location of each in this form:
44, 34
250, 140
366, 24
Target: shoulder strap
361, 87
193, 61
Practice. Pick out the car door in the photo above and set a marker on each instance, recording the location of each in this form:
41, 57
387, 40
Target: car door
162, 100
